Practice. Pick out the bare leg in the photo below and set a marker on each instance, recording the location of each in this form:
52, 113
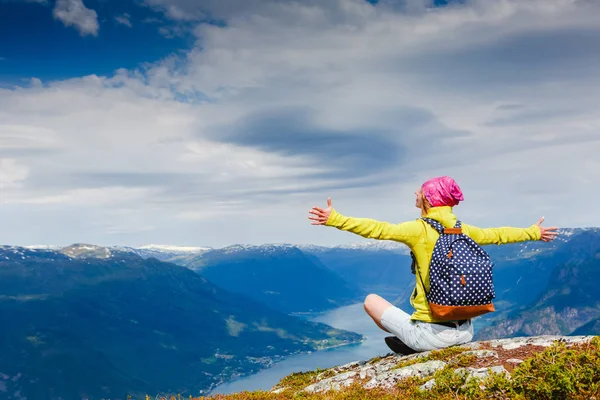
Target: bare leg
375, 306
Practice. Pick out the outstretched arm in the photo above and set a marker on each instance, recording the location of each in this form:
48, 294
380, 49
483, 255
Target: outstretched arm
407, 232
511, 235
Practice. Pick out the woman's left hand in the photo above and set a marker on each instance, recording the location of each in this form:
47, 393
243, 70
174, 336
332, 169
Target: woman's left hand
547, 234
320, 216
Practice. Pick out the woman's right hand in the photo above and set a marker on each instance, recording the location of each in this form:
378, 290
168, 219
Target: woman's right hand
320, 216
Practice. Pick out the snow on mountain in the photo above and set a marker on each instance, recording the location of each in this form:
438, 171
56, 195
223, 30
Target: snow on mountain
166, 252
382, 245
22, 252
43, 247
262, 248
311, 248
377, 245
29, 253
81, 250
174, 249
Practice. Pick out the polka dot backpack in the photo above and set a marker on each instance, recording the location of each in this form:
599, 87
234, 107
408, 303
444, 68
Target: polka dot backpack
460, 276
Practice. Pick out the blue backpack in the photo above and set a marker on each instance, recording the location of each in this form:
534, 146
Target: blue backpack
460, 276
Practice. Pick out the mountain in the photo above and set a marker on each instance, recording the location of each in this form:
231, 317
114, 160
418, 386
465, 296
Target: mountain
587, 329
91, 322
165, 252
570, 300
364, 244
281, 276
383, 269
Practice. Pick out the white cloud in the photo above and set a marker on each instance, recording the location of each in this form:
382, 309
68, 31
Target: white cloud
35, 82
172, 31
74, 13
12, 173
292, 102
152, 20
124, 19
94, 197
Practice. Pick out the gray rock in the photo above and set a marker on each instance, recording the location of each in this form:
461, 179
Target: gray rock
334, 383
546, 340
415, 356
428, 385
480, 373
353, 364
514, 361
368, 372
390, 378
471, 346
385, 366
341, 368
482, 353
512, 346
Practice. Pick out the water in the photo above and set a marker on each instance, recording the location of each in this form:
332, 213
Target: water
352, 318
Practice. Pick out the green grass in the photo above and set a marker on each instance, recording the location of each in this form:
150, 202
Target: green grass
441, 355
299, 380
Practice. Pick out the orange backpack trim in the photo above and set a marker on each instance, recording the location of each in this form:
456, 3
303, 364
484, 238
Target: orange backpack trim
459, 312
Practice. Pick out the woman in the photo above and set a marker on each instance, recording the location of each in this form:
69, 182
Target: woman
421, 331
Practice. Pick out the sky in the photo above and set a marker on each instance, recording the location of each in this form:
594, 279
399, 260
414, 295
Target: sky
218, 122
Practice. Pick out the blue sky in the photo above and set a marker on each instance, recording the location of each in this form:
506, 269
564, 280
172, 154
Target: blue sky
42, 46
215, 122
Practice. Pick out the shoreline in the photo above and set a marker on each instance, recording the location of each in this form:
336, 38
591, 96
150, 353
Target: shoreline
209, 391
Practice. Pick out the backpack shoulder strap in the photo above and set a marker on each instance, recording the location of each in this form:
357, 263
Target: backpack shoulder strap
436, 225
457, 230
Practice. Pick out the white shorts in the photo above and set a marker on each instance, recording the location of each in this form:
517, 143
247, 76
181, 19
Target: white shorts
423, 336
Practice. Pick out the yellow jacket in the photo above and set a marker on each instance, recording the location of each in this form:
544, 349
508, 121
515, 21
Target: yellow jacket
420, 237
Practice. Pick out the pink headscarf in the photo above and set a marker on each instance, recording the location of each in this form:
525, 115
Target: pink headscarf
442, 191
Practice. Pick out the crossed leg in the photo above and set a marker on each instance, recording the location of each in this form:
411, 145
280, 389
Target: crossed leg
375, 306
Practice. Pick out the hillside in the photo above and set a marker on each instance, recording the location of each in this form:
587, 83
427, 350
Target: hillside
373, 269
94, 322
569, 302
281, 276
569, 299
591, 326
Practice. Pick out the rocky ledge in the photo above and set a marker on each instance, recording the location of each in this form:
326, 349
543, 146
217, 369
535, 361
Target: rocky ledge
475, 360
